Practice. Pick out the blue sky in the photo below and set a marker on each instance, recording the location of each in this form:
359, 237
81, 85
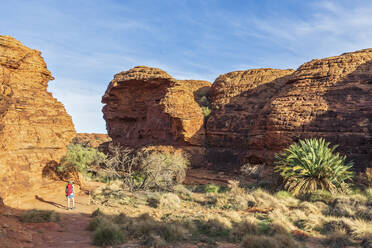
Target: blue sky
86, 42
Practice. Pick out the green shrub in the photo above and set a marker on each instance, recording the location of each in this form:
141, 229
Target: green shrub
97, 222
96, 213
213, 228
311, 165
39, 216
321, 195
108, 234
210, 188
80, 158
206, 111
282, 194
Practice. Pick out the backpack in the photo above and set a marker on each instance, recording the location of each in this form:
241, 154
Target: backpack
69, 188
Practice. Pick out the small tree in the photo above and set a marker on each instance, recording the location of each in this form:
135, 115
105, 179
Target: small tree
122, 164
143, 170
162, 170
311, 165
80, 158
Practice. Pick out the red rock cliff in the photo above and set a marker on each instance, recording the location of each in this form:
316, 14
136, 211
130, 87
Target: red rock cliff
237, 98
34, 126
146, 106
255, 113
260, 112
330, 98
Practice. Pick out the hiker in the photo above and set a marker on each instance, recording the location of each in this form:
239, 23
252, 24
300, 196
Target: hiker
70, 195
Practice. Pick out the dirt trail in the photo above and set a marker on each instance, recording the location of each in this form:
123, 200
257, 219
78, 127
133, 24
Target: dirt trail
71, 231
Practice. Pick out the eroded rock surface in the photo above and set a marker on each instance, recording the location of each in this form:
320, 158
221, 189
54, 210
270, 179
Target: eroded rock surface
237, 98
146, 106
34, 126
93, 140
260, 112
330, 98
255, 113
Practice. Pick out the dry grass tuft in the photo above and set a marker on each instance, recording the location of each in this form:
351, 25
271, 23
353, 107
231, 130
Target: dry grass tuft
39, 216
338, 239
169, 201
276, 241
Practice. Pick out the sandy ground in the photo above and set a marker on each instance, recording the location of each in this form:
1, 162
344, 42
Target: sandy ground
71, 231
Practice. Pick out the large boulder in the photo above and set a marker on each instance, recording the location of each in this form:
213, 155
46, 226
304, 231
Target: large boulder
34, 126
146, 106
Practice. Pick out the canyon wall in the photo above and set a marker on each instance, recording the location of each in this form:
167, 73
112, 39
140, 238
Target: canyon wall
254, 113
34, 126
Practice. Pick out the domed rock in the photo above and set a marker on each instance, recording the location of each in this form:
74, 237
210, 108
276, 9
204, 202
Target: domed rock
146, 106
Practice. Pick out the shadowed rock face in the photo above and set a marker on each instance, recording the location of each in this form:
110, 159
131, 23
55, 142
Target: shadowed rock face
255, 113
34, 126
237, 99
146, 106
330, 98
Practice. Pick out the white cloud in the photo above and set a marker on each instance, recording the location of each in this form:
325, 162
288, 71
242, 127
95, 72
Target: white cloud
331, 29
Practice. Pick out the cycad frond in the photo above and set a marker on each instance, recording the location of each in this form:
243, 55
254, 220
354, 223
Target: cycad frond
310, 165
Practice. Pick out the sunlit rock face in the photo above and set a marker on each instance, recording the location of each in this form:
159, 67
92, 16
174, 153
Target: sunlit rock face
255, 113
146, 106
34, 126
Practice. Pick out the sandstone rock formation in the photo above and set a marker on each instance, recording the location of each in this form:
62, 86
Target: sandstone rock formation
255, 113
93, 140
146, 106
330, 98
237, 98
34, 126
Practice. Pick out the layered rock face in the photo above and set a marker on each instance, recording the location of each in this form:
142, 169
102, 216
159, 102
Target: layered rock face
93, 140
34, 126
237, 98
146, 106
255, 113
330, 98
